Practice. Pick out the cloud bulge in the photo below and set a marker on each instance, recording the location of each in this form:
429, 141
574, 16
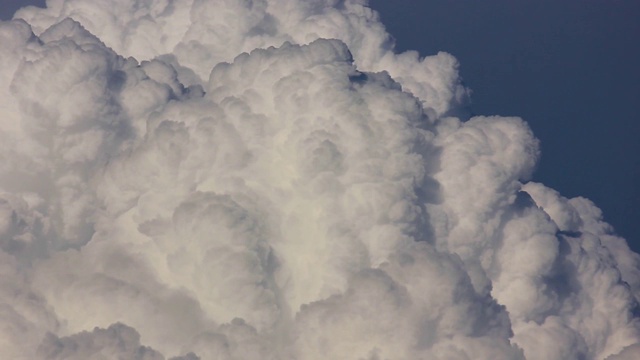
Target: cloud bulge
270, 180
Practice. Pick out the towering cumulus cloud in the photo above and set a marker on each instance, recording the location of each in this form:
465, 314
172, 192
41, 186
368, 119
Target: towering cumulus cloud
268, 179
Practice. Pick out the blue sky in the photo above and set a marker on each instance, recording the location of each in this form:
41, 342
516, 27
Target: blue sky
569, 68
8, 7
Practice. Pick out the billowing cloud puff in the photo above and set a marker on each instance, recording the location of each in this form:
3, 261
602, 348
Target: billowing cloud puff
270, 180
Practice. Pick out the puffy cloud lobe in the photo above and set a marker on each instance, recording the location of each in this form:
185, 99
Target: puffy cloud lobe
200, 34
269, 180
630, 352
118, 341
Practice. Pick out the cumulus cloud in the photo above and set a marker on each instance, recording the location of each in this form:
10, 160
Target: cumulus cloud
270, 180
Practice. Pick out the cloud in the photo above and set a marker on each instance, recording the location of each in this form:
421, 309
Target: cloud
270, 180
118, 341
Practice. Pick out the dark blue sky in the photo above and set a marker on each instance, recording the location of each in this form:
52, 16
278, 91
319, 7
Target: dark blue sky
8, 7
571, 68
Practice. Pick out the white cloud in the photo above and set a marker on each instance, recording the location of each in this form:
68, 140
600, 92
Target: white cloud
269, 180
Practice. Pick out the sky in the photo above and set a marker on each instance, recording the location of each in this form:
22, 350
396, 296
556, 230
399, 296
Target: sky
569, 68
9, 7
275, 179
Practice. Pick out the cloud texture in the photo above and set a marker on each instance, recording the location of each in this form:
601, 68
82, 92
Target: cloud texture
260, 179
